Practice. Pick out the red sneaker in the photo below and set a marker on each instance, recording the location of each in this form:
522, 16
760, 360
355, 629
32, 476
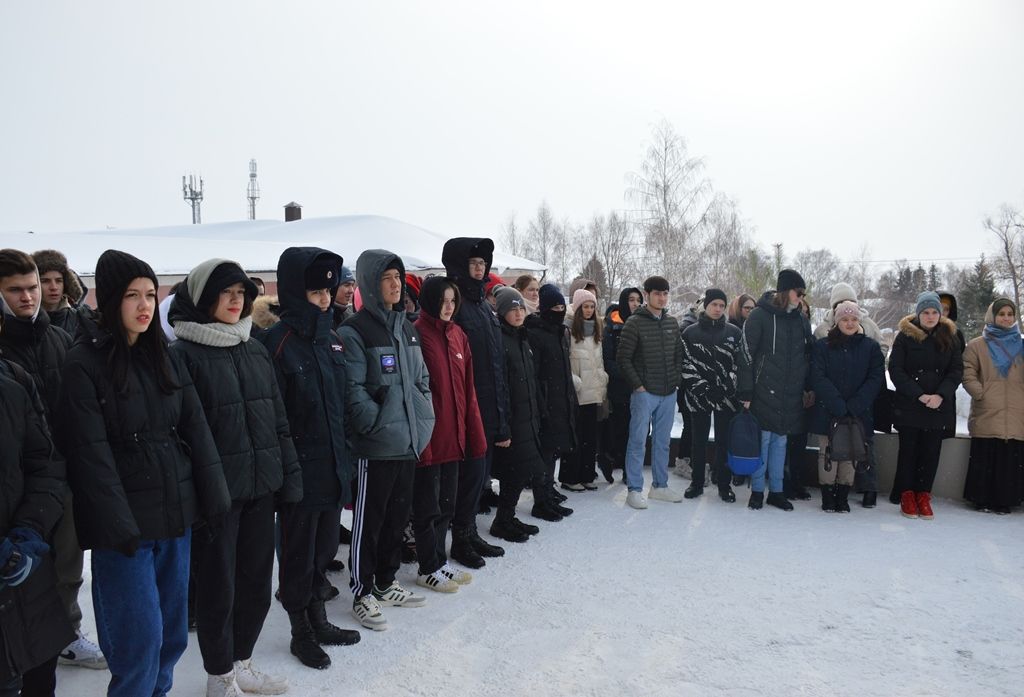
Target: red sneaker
908, 506
924, 505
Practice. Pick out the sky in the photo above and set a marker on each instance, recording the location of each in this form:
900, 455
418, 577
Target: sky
892, 124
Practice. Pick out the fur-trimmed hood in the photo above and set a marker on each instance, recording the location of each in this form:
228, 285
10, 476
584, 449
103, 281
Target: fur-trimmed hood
909, 326
52, 260
265, 311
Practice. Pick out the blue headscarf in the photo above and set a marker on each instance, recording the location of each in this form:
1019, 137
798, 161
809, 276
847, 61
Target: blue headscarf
1005, 346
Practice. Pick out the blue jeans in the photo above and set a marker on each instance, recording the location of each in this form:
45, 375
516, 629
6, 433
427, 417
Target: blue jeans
773, 459
141, 605
654, 414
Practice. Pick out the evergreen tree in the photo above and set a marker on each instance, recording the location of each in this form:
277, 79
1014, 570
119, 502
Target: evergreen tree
976, 292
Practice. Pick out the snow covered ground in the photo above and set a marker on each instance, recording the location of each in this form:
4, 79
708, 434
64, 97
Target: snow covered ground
696, 598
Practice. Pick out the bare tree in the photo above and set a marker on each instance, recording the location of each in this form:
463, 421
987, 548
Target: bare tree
613, 242
820, 269
671, 196
859, 274
513, 240
725, 235
1008, 228
540, 235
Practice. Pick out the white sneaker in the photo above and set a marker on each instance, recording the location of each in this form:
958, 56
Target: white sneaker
249, 679
458, 575
665, 493
367, 611
396, 596
636, 499
83, 653
437, 581
683, 468
223, 686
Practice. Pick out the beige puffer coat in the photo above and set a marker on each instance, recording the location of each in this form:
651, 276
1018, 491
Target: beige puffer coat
997, 403
588, 374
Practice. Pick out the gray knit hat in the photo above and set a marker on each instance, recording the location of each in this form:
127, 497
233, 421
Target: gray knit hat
508, 298
928, 299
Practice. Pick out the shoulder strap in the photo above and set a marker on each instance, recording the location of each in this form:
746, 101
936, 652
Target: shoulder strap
280, 346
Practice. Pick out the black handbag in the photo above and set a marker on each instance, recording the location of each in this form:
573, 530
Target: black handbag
847, 442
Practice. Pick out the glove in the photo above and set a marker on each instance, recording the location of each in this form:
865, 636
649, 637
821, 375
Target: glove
20, 554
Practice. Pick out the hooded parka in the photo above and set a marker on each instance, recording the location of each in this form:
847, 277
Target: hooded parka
142, 464
550, 343
925, 362
523, 406
240, 396
390, 412
618, 387
775, 365
846, 376
40, 348
481, 326
309, 361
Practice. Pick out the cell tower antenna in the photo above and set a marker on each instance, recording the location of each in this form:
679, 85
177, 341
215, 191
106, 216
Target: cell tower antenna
194, 196
253, 192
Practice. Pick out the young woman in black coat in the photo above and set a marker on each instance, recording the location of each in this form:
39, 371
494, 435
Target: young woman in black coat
143, 467
234, 378
926, 366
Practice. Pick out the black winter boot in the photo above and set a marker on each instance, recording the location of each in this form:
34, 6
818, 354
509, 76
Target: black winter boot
530, 530
756, 501
482, 547
828, 498
779, 500
463, 550
870, 499
545, 512
304, 646
727, 494
504, 529
561, 510
693, 491
842, 498
325, 632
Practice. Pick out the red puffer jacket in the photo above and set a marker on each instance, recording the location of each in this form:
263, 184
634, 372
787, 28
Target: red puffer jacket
458, 429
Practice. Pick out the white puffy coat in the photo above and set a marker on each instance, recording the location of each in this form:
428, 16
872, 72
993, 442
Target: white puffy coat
588, 374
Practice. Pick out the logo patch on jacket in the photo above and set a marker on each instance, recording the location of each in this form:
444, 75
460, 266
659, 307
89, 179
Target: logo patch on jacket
459, 356
337, 348
388, 364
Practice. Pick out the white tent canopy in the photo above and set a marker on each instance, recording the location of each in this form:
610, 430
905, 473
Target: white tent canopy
255, 244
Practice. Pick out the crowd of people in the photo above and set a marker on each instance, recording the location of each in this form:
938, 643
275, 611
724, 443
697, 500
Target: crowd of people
189, 442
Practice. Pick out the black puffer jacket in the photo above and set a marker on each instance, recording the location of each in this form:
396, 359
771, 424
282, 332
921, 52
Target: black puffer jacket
711, 352
847, 373
775, 366
614, 320
40, 348
650, 352
309, 361
243, 406
550, 344
142, 464
522, 406
68, 317
481, 326
33, 624
925, 362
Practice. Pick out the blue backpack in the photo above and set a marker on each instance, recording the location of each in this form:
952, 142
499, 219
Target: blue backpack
744, 444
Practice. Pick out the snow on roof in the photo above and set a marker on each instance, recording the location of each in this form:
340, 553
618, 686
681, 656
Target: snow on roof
255, 244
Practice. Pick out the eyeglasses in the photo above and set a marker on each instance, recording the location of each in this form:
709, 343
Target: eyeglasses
801, 294
480, 264
748, 308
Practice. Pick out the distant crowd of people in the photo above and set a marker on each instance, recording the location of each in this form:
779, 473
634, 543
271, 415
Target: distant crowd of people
190, 442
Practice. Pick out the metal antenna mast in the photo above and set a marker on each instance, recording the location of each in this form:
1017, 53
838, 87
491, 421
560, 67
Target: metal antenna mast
253, 192
194, 196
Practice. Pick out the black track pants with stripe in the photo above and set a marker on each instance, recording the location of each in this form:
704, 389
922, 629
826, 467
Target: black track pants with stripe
382, 509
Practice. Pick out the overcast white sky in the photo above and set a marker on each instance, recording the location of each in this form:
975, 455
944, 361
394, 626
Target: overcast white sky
896, 123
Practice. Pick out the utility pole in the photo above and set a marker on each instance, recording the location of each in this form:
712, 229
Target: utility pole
194, 196
253, 192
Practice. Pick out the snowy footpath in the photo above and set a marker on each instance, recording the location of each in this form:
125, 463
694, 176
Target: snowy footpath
695, 598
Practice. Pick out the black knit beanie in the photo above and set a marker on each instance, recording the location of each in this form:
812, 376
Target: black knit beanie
712, 294
114, 271
550, 296
789, 280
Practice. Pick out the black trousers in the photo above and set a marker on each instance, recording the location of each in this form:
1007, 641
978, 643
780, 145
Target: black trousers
473, 478
686, 438
618, 433
579, 467
433, 505
918, 459
233, 583
40, 681
700, 430
382, 511
513, 477
542, 474
309, 541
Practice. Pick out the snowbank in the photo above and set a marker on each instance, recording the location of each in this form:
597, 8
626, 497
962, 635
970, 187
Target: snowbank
698, 598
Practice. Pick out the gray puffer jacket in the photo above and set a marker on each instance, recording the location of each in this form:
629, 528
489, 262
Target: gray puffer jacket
389, 408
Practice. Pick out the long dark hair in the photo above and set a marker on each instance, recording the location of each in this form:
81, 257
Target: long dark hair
577, 324
151, 348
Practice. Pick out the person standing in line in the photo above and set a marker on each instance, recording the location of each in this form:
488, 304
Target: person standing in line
619, 388
391, 420
994, 377
143, 467
34, 342
740, 308
458, 433
62, 291
344, 297
926, 366
847, 373
549, 340
591, 384
650, 356
773, 380
711, 351
309, 365
796, 445
468, 262
518, 454
529, 287
234, 378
